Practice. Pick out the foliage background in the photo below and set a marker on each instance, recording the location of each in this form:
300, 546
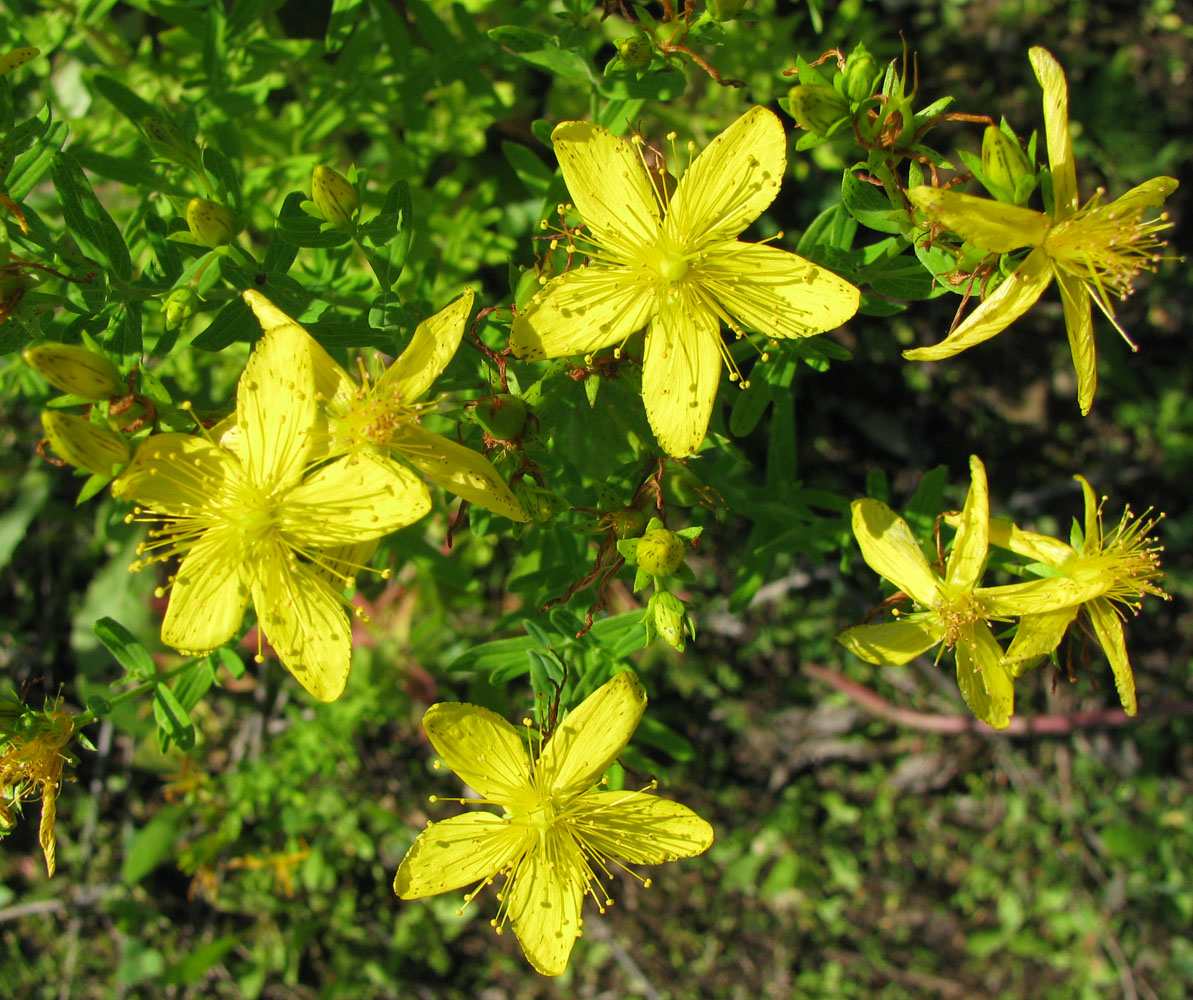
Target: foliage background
855, 858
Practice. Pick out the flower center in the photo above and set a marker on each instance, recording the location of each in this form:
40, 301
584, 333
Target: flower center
1129, 559
956, 615
672, 266
369, 418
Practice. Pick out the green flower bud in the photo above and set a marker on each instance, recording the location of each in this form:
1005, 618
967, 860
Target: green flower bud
627, 522
210, 223
167, 140
816, 108
861, 73
540, 505
504, 416
723, 10
669, 618
334, 195
635, 51
76, 370
180, 306
660, 552
1003, 162
85, 445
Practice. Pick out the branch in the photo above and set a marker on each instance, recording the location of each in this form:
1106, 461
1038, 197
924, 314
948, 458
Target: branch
1037, 725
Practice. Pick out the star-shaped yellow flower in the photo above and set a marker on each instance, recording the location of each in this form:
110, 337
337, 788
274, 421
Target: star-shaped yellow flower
558, 834
381, 417
673, 264
956, 612
1111, 568
250, 523
1093, 251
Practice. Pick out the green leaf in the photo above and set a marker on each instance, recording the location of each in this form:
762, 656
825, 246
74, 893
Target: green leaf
870, 205
234, 322
543, 50
151, 845
173, 721
127, 649
531, 171
298, 229
31, 493
88, 221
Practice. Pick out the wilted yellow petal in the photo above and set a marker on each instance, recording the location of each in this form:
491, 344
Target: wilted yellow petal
731, 182
1056, 129
1010, 301
483, 749
680, 371
583, 311
460, 851
775, 292
458, 470
637, 828
986, 224
430, 349
890, 549
591, 736
891, 643
609, 186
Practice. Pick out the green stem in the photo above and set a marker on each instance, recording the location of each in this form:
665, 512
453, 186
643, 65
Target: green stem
89, 716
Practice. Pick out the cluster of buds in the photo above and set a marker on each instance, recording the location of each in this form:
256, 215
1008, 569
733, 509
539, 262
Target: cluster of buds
823, 102
658, 556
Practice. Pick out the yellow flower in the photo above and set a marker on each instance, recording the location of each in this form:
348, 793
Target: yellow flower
673, 264
956, 612
242, 518
382, 416
1093, 251
558, 834
1111, 569
31, 764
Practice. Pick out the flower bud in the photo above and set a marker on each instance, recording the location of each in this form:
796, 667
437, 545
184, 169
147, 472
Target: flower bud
861, 74
660, 552
180, 306
669, 618
210, 223
503, 416
635, 51
627, 522
816, 108
540, 505
75, 370
723, 10
334, 195
85, 445
1004, 162
167, 140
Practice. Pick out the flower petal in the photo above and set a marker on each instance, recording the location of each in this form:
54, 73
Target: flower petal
1037, 596
985, 683
681, 367
303, 617
458, 470
775, 292
353, 499
890, 549
1056, 129
582, 311
1079, 325
430, 349
179, 475
731, 182
1010, 301
1093, 523
1038, 635
589, 739
452, 853
609, 185
484, 750
545, 896
987, 224
637, 828
892, 643
331, 381
208, 597
1150, 194
1039, 548
1108, 627
969, 547
276, 409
